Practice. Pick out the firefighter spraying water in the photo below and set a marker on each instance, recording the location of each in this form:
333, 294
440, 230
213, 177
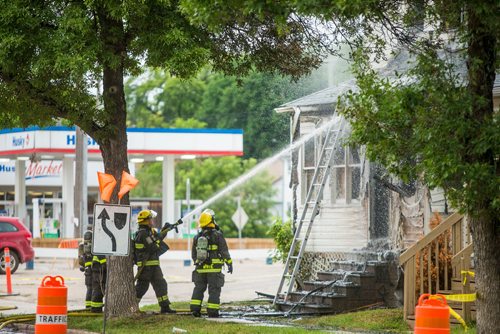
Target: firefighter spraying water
148, 246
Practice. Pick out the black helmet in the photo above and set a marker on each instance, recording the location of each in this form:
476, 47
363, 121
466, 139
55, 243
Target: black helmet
87, 236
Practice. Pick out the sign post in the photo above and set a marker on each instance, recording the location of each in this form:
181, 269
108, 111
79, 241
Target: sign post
111, 236
240, 218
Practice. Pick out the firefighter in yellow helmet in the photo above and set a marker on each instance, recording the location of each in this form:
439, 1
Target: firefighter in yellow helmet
148, 248
209, 253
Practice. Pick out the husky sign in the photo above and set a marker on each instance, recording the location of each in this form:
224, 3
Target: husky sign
111, 229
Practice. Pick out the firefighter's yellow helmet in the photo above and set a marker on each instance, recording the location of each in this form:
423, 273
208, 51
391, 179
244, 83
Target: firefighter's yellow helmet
207, 217
144, 215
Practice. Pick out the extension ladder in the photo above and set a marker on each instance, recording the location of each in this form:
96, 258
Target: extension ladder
311, 207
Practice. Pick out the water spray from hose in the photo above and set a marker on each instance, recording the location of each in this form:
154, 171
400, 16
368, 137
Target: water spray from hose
258, 168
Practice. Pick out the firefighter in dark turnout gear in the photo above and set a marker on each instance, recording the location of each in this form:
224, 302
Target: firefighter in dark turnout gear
98, 283
148, 248
209, 253
85, 261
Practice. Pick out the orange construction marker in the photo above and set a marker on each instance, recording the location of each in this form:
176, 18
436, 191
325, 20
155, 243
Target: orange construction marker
52, 306
6, 253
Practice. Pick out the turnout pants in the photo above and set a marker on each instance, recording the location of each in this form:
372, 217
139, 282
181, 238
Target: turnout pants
153, 275
214, 282
88, 285
98, 286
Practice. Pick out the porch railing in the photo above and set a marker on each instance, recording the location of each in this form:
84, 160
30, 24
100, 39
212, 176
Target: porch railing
435, 262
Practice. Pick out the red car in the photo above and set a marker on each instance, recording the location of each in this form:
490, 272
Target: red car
15, 235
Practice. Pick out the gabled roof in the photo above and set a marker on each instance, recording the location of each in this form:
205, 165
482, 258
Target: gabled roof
327, 96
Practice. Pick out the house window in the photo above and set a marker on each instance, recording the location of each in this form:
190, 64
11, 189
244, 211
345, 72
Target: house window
308, 166
346, 176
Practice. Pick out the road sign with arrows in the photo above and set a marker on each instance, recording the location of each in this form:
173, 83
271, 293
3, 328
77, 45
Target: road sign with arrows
111, 229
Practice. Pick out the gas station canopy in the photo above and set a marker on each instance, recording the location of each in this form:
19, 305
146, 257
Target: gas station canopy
57, 142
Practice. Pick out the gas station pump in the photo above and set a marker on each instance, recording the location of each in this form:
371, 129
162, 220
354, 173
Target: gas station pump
7, 208
47, 217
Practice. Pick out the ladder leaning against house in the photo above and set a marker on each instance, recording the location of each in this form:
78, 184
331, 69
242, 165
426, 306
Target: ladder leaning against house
311, 207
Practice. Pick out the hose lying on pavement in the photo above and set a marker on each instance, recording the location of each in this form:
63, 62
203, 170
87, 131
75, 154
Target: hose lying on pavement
7, 308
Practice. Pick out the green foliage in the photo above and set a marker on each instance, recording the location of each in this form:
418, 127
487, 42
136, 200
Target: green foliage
250, 106
282, 234
218, 101
190, 123
425, 128
150, 180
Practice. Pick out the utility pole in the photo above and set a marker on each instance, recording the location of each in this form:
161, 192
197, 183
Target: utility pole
188, 204
80, 207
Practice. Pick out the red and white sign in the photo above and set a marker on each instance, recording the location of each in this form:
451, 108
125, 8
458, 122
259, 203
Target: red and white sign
48, 173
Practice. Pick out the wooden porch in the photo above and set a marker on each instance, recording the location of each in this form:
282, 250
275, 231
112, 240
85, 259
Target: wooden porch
437, 264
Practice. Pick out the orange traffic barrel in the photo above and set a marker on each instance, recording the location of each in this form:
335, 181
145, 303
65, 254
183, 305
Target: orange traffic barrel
432, 315
52, 306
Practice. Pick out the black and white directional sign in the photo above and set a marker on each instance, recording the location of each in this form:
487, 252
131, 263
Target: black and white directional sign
111, 229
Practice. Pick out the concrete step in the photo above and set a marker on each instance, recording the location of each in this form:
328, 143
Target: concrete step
350, 266
305, 309
363, 256
337, 287
368, 266
355, 277
320, 298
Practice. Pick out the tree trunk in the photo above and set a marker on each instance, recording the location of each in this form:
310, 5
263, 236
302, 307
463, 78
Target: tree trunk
121, 298
486, 240
485, 223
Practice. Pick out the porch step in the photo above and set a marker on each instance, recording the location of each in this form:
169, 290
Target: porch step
355, 277
334, 287
368, 266
323, 302
363, 256
305, 309
357, 282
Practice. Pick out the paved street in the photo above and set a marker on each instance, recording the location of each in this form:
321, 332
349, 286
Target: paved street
251, 273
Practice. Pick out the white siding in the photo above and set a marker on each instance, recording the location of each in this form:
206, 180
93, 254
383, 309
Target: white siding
437, 200
338, 229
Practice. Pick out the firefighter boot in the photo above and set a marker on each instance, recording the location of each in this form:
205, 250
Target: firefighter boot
165, 308
213, 313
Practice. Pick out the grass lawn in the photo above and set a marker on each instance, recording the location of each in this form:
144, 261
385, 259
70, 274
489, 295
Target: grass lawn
378, 320
165, 323
372, 321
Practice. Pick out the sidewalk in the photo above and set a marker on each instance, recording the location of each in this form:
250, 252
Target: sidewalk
237, 254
